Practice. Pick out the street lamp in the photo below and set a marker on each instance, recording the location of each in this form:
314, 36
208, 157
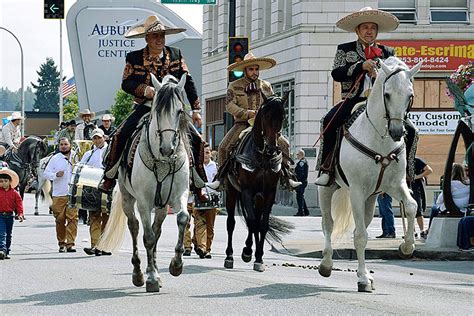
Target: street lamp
22, 100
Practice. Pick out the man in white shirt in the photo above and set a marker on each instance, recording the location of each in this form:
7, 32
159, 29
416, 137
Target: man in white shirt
98, 218
11, 134
59, 170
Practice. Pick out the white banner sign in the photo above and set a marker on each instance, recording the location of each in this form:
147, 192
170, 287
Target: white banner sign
432, 123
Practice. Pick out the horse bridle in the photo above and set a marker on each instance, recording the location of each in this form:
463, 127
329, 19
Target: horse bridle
176, 135
387, 115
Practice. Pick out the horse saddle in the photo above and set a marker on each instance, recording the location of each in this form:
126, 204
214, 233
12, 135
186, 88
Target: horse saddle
132, 144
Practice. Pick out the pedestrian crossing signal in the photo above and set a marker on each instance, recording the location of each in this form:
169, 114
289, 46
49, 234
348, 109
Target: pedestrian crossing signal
53, 9
238, 47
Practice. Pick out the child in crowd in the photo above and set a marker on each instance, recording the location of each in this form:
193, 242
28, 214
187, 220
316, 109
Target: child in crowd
10, 203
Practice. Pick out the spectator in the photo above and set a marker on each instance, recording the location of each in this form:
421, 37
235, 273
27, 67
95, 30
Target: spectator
386, 212
459, 190
10, 203
68, 132
59, 170
422, 170
85, 128
107, 127
301, 171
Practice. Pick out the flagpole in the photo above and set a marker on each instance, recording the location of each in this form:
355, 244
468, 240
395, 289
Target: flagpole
60, 71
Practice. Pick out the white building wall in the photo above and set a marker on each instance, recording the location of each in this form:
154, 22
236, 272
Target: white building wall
304, 48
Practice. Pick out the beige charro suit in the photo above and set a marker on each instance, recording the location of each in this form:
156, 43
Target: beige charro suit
238, 103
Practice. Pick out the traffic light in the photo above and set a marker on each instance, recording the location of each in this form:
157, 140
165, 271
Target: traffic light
238, 47
53, 9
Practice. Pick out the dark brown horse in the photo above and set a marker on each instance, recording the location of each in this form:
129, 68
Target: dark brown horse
253, 180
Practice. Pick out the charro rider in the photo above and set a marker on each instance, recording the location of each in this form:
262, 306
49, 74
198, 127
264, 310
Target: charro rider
159, 60
243, 101
10, 134
355, 67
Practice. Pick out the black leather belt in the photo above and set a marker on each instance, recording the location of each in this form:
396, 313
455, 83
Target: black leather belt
6, 213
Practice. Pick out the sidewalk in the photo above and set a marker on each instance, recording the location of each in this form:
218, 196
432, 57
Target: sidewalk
307, 240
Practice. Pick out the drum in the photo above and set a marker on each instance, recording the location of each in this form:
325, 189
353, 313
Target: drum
213, 202
83, 192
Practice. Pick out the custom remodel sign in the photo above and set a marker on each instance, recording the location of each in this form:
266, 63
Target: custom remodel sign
432, 123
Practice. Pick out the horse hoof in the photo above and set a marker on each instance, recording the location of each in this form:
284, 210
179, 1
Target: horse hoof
367, 288
137, 279
246, 257
325, 271
403, 253
229, 263
175, 270
152, 286
259, 267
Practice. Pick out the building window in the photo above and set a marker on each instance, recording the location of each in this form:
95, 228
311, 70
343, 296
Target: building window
404, 10
453, 11
288, 129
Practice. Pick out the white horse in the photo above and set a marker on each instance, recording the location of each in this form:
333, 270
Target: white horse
43, 189
160, 177
378, 165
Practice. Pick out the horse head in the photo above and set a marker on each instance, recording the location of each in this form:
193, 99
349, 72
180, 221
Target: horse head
397, 93
268, 123
167, 119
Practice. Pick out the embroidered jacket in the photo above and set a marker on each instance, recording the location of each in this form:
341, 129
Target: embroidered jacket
348, 66
139, 66
238, 101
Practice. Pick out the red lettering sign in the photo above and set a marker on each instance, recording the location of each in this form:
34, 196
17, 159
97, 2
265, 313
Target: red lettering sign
436, 55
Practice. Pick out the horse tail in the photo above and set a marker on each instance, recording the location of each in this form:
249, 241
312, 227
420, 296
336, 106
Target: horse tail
45, 192
277, 228
114, 231
341, 212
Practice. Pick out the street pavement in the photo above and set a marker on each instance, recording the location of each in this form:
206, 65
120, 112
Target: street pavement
39, 280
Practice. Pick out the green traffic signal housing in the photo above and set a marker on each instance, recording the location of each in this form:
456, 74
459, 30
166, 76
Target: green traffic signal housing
238, 47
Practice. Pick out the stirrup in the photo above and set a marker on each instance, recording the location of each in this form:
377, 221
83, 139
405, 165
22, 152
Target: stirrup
323, 179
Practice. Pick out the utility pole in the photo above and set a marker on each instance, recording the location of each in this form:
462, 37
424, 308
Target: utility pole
228, 118
61, 110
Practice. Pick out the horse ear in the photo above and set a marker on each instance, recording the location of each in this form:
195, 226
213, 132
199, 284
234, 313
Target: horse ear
415, 69
155, 82
264, 97
182, 82
285, 97
385, 68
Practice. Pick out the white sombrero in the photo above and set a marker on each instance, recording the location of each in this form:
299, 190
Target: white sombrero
386, 21
152, 24
15, 180
249, 59
86, 112
108, 117
16, 116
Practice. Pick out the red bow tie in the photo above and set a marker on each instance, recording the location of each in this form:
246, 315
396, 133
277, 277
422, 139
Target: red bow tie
372, 52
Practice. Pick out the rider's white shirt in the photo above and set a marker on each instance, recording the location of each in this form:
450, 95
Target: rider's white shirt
96, 155
59, 162
10, 134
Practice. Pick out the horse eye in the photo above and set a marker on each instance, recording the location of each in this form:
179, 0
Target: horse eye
387, 96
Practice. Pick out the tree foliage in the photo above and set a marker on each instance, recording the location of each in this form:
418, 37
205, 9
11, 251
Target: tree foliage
122, 107
11, 100
47, 89
71, 107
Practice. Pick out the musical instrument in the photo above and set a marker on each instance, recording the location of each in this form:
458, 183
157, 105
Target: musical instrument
81, 146
83, 192
212, 203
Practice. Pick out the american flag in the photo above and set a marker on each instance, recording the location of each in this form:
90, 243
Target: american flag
69, 87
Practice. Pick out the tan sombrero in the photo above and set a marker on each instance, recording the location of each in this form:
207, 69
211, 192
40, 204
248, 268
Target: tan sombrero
86, 112
250, 59
108, 117
16, 116
152, 24
15, 180
386, 21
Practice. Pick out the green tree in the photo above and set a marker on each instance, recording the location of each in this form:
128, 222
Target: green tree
47, 89
11, 100
122, 107
71, 106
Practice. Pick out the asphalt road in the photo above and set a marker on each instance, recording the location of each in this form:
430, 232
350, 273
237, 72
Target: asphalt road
39, 280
